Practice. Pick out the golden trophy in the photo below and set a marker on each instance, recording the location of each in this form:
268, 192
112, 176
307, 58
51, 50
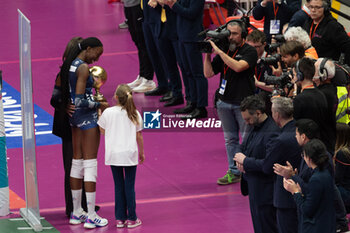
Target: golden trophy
100, 77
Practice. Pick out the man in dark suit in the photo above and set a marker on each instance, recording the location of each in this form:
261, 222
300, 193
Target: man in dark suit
307, 129
168, 49
151, 19
285, 148
189, 23
257, 145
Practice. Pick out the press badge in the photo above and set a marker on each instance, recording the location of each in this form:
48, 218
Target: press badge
222, 87
275, 26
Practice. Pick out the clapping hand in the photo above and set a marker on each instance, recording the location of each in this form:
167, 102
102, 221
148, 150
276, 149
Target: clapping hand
291, 186
152, 3
170, 3
285, 171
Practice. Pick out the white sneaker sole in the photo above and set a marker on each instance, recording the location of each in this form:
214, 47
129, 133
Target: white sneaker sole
89, 225
75, 222
144, 89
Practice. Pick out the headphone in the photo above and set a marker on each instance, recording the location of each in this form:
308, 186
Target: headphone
242, 25
326, 5
322, 71
300, 75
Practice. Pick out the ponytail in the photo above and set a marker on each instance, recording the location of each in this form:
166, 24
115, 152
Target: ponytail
317, 152
126, 100
70, 57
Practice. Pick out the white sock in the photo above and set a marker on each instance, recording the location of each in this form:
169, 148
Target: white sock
90, 199
76, 195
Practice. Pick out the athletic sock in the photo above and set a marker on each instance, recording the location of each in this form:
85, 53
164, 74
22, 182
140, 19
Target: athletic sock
76, 195
90, 199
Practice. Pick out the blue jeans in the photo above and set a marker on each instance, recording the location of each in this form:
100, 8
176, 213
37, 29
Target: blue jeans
124, 189
232, 124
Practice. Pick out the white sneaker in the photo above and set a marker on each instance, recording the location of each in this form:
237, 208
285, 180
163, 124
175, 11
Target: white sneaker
77, 219
137, 82
133, 224
123, 25
146, 85
97, 221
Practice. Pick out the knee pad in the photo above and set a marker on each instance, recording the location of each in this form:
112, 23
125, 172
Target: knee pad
77, 170
90, 170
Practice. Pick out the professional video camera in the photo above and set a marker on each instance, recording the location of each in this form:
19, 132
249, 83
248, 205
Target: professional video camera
272, 48
219, 36
282, 84
271, 60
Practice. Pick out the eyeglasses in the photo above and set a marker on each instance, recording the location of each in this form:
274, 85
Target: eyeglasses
315, 7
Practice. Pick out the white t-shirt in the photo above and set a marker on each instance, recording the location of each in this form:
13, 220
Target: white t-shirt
120, 137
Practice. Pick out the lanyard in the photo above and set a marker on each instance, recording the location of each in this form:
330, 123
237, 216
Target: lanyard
275, 10
307, 87
226, 68
312, 32
256, 73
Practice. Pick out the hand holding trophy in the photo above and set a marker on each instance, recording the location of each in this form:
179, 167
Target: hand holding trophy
100, 77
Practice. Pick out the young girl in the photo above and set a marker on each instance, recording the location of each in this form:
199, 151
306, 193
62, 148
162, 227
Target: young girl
122, 125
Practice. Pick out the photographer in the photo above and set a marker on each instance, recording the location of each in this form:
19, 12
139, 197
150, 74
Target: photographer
257, 39
325, 72
326, 34
276, 13
236, 67
300, 35
311, 103
291, 52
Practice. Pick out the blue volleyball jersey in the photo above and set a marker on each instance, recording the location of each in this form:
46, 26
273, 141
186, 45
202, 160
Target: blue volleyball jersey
73, 81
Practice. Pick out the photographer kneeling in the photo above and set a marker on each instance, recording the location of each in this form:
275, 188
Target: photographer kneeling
236, 67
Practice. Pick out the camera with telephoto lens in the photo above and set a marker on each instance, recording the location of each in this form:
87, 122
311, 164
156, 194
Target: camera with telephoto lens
271, 60
272, 48
280, 83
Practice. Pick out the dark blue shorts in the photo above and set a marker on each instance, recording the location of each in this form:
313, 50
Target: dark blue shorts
84, 118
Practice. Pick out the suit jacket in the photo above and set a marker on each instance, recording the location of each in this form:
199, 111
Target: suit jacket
255, 147
317, 205
189, 19
60, 126
150, 15
285, 148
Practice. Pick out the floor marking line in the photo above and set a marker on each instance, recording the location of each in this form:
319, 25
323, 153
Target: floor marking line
60, 58
151, 200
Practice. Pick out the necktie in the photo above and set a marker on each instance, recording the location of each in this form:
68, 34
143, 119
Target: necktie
142, 4
163, 16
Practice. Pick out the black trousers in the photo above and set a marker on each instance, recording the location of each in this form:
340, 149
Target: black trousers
134, 16
67, 151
